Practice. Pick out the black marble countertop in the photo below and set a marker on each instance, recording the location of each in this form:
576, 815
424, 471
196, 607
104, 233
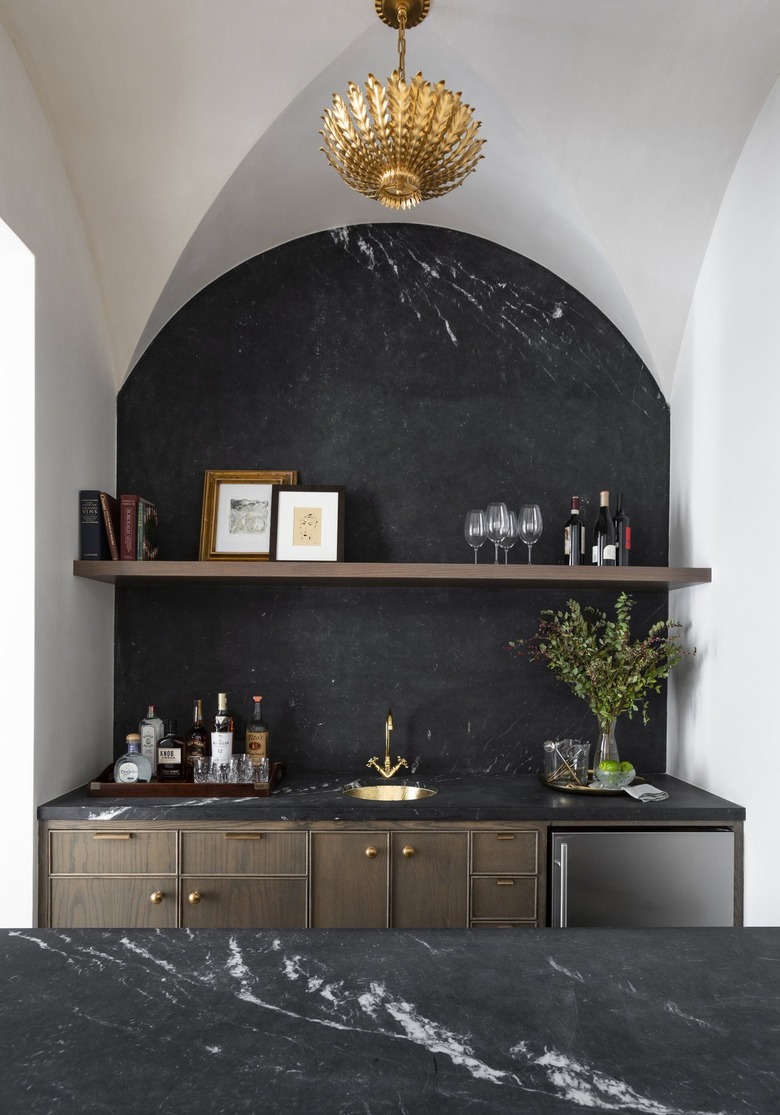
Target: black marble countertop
657, 1022
459, 797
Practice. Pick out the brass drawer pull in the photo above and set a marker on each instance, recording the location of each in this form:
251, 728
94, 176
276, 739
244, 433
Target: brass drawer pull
194, 898
505, 836
156, 898
112, 836
505, 882
371, 852
244, 835
408, 851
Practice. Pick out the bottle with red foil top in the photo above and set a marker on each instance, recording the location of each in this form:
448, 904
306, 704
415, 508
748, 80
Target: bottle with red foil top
622, 533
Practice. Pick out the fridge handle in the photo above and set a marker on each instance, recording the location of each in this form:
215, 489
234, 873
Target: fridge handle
563, 882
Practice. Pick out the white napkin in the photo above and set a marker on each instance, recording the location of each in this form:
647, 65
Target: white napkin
646, 793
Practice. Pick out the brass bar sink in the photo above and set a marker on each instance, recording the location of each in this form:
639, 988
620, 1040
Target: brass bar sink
388, 791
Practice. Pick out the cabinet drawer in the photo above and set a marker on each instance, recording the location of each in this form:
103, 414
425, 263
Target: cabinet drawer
243, 852
503, 898
503, 925
101, 903
513, 851
209, 903
112, 852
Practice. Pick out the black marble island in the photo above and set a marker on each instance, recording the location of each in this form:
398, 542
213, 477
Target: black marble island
459, 797
657, 1022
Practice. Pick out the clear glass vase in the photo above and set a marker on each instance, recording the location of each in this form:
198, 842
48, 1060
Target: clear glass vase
606, 748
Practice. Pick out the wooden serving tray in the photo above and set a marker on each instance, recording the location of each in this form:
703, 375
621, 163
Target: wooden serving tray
105, 786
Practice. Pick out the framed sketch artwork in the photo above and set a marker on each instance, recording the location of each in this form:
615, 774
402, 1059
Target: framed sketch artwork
307, 524
236, 518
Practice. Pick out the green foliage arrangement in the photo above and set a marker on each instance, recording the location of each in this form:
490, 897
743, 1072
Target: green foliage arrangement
596, 658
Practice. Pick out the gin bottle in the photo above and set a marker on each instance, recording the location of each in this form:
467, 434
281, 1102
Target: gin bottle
151, 729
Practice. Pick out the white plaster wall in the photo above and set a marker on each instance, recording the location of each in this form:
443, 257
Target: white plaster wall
723, 733
68, 722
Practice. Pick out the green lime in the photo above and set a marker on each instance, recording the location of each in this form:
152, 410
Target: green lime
609, 765
626, 767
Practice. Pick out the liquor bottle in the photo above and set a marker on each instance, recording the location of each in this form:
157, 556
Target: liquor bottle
197, 742
257, 734
604, 534
151, 730
132, 766
170, 755
622, 533
222, 732
574, 535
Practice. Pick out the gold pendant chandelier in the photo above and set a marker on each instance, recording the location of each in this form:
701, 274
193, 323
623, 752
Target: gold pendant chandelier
405, 143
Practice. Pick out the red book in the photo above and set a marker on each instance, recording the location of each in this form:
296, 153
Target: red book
110, 509
128, 527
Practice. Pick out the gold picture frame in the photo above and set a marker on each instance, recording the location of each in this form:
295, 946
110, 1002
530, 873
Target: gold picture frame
235, 522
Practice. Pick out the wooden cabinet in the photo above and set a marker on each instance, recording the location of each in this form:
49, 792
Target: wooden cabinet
350, 874
505, 878
430, 881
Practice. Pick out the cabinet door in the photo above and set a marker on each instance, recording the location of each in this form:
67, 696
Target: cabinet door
349, 877
96, 902
430, 880
214, 903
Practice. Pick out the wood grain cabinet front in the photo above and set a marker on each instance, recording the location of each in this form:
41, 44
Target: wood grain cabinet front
429, 880
104, 902
504, 878
213, 902
120, 851
350, 872
259, 851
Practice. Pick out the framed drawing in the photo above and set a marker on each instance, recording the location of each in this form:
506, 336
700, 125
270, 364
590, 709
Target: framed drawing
307, 524
235, 521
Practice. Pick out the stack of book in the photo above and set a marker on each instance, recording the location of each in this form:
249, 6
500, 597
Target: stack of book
117, 530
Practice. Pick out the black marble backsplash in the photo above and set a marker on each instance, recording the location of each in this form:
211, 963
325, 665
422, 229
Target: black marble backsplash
428, 372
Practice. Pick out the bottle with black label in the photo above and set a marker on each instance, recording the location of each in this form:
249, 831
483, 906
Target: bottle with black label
257, 734
170, 755
604, 534
622, 533
197, 742
222, 732
132, 766
574, 536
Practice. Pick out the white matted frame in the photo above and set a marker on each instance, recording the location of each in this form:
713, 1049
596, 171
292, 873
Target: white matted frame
307, 524
236, 517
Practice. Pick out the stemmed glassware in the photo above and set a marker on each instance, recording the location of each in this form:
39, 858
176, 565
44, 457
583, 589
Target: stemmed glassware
497, 524
475, 530
508, 541
530, 525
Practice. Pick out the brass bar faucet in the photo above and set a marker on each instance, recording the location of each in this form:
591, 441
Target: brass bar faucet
386, 770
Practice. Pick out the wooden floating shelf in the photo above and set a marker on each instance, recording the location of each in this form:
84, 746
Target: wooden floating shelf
639, 578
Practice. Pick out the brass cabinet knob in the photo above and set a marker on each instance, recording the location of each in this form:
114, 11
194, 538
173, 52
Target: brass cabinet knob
156, 898
194, 898
408, 851
371, 852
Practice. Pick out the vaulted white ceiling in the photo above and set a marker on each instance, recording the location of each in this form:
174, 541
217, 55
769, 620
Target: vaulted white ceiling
188, 129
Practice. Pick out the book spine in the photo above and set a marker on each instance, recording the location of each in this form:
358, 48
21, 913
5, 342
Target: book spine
92, 535
128, 525
111, 523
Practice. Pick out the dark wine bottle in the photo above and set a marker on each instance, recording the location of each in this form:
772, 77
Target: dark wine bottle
574, 536
622, 533
604, 534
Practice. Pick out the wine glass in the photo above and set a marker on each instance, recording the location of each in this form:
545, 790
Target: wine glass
497, 524
508, 541
475, 530
530, 525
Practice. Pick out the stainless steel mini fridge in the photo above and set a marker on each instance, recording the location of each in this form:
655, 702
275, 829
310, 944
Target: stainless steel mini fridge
642, 878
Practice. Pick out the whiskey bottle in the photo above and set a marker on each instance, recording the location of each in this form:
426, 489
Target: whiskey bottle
132, 766
197, 742
170, 755
151, 730
257, 734
222, 732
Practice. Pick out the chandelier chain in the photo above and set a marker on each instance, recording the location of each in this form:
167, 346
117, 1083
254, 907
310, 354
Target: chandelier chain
402, 41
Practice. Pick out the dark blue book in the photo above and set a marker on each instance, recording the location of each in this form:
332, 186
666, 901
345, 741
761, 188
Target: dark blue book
93, 537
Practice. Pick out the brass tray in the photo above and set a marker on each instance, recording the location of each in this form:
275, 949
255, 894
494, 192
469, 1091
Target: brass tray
105, 786
573, 788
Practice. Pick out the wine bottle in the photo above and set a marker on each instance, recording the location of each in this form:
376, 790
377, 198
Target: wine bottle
604, 534
170, 755
222, 732
622, 533
574, 536
151, 731
257, 734
197, 742
132, 766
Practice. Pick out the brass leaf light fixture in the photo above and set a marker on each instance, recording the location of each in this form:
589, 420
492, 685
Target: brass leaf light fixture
405, 143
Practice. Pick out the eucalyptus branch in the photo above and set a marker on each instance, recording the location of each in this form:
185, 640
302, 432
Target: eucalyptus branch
597, 659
